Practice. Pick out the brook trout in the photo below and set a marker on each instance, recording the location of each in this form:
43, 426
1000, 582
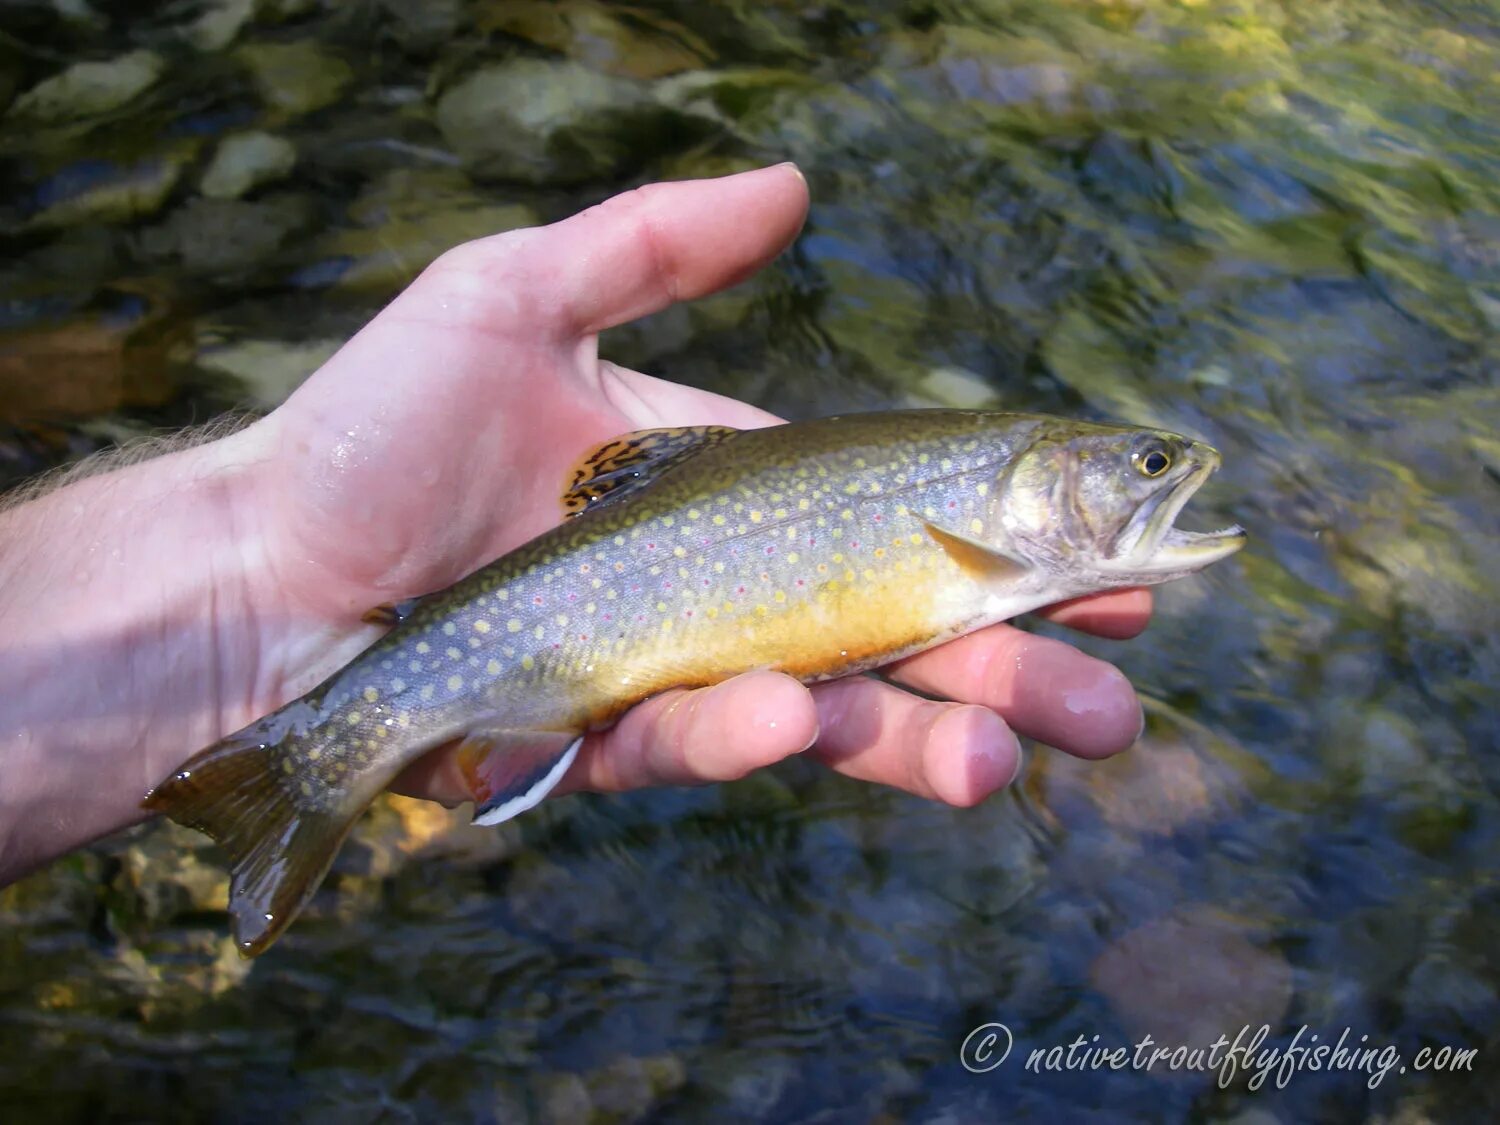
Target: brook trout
819, 549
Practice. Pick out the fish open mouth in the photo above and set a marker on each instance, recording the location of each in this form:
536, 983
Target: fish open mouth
1163, 547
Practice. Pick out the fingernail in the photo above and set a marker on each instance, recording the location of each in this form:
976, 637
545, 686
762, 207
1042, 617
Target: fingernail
1020, 765
792, 164
811, 742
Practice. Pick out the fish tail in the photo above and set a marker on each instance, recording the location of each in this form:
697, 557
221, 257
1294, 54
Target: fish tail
250, 794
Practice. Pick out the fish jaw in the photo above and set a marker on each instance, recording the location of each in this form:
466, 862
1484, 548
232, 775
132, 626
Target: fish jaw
1161, 550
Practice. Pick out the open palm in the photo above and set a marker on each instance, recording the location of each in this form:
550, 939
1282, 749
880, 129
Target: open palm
439, 438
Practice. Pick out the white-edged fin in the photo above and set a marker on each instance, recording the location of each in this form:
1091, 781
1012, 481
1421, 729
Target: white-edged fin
510, 771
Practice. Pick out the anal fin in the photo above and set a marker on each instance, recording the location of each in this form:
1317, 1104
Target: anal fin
510, 771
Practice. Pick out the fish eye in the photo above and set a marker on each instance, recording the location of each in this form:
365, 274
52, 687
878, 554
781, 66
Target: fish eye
1152, 463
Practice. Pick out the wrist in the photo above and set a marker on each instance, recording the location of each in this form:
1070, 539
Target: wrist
119, 597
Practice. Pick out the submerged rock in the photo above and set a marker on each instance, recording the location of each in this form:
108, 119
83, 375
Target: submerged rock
226, 239
88, 89
246, 161
86, 365
1191, 976
101, 192
270, 370
219, 24
557, 122
630, 42
296, 78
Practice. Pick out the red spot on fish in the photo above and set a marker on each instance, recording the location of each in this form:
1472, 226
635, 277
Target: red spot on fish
739, 589
952, 504
770, 550
650, 546
537, 600
688, 613
800, 582
583, 636
666, 585
878, 517
572, 597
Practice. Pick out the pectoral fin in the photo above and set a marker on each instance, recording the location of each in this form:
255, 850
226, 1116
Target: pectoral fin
510, 771
390, 613
980, 560
631, 461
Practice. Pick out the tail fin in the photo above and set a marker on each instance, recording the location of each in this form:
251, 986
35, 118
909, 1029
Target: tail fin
280, 839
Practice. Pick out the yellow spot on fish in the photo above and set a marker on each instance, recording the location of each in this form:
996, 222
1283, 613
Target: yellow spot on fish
371, 695
398, 686
781, 595
780, 513
493, 668
354, 717
880, 552
454, 654
718, 519
976, 526
455, 683
694, 513
501, 595
423, 647
307, 789
481, 626
761, 611
982, 488
869, 575
846, 514
426, 691
562, 618
679, 552
916, 540
449, 628
313, 754
804, 504
513, 625
792, 556
539, 632
528, 663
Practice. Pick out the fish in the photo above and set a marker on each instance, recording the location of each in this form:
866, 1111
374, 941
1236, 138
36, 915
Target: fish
821, 549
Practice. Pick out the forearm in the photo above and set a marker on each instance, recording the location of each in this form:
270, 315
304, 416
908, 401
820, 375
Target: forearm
117, 594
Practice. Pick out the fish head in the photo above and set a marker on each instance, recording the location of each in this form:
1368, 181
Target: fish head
1101, 503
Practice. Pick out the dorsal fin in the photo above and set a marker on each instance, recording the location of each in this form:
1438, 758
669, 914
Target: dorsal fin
631, 461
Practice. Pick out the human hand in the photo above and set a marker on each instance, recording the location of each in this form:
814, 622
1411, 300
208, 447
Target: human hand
439, 438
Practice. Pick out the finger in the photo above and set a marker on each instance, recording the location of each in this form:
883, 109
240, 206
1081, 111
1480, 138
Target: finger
874, 732
681, 737
1043, 688
641, 251
648, 402
1118, 615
